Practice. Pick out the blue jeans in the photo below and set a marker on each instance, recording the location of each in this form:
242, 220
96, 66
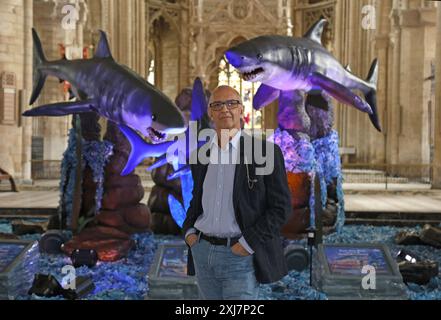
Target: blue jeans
223, 275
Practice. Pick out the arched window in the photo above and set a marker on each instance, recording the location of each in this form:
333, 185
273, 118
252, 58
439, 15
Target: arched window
228, 75
151, 72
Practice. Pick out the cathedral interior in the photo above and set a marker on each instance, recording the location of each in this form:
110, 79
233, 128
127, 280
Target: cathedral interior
391, 179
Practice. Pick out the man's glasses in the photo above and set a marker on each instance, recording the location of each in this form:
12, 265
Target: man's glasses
230, 104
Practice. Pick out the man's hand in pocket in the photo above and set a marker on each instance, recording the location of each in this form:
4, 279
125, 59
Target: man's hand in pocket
191, 239
239, 250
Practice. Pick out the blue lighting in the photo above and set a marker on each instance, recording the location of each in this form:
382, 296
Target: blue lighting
178, 211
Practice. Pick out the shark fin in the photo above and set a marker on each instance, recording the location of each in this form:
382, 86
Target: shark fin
198, 100
140, 149
177, 210
39, 76
339, 92
315, 32
371, 95
61, 109
103, 49
348, 68
264, 96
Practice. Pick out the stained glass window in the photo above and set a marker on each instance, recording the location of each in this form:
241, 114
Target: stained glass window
228, 75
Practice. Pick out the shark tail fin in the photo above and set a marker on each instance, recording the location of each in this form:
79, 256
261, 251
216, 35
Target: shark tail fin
39, 60
371, 94
140, 149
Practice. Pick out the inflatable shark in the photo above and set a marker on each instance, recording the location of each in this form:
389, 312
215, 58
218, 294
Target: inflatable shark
199, 105
283, 63
109, 89
141, 149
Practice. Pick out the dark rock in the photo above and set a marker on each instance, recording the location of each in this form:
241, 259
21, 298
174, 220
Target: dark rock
111, 244
8, 236
137, 216
329, 214
101, 232
88, 203
159, 177
110, 218
431, 235
419, 272
121, 197
408, 238
21, 227
132, 230
163, 223
116, 180
297, 223
115, 219
321, 113
117, 162
107, 249
292, 114
88, 178
331, 190
114, 135
90, 127
158, 199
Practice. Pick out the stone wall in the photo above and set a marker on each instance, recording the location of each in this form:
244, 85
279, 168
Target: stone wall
402, 38
437, 150
169, 62
192, 38
15, 55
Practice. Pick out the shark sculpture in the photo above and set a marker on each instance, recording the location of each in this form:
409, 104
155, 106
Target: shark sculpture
111, 90
141, 149
199, 106
283, 63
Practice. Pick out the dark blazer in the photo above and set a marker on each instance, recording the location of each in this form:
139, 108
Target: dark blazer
260, 212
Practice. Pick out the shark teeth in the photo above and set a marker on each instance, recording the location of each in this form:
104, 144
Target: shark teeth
250, 75
155, 135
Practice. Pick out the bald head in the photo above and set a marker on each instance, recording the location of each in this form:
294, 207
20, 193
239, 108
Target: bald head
226, 118
222, 93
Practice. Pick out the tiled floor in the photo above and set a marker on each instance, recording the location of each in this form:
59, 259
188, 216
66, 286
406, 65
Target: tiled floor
429, 201
29, 199
34, 199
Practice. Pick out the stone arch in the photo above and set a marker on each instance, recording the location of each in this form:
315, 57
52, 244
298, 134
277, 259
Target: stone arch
167, 17
213, 66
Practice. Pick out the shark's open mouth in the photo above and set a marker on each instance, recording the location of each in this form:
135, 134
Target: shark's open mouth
250, 75
155, 135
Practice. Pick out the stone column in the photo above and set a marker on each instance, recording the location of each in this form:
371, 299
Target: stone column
184, 79
393, 128
48, 23
379, 149
357, 45
141, 40
417, 50
15, 55
27, 89
436, 178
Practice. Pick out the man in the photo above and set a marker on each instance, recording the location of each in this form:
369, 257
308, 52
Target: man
233, 223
